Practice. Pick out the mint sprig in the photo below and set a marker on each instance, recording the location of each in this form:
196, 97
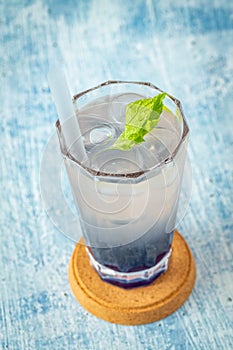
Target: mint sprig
141, 117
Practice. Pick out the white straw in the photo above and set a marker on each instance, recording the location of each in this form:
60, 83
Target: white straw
66, 113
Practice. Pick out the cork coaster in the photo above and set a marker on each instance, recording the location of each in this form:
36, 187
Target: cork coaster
138, 305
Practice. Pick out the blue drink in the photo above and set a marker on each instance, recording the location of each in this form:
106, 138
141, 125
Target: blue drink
127, 200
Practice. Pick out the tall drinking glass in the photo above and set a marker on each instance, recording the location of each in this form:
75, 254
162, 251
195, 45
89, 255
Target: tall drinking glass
127, 201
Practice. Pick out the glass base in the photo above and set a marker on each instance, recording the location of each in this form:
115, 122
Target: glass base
130, 279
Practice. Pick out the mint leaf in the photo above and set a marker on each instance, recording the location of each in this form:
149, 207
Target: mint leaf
141, 117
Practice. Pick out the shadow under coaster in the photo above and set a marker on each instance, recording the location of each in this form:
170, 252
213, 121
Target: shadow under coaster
139, 305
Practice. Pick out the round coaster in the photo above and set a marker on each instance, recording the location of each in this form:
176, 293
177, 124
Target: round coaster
138, 305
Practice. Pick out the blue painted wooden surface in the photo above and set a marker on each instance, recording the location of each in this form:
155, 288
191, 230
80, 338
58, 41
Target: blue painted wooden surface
186, 49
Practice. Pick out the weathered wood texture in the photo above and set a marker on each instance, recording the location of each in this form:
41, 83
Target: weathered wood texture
186, 49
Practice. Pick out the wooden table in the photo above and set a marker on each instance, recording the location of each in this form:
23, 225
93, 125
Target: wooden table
184, 48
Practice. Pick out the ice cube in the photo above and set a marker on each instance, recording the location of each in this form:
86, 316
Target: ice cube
119, 103
100, 134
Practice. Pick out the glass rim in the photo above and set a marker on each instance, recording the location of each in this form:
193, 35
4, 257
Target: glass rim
136, 174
